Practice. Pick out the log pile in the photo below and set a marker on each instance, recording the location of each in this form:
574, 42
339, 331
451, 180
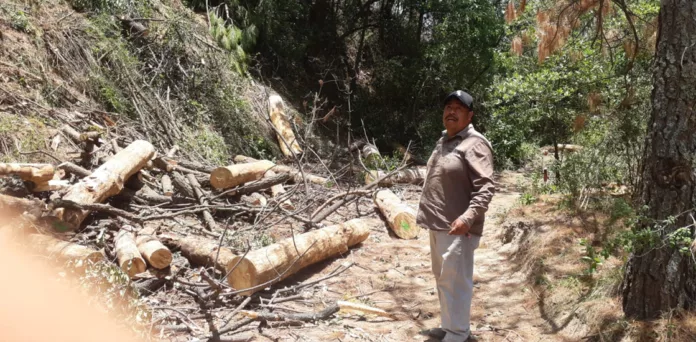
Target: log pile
169, 222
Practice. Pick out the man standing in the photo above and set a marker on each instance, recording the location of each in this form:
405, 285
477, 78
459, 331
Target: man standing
457, 190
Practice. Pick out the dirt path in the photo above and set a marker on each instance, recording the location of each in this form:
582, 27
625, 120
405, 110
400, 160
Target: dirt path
395, 275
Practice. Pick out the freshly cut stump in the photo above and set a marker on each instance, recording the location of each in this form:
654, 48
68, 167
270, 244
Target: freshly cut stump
63, 250
128, 255
278, 261
400, 217
156, 254
233, 175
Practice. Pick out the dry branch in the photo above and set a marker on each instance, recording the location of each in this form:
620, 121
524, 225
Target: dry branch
264, 265
277, 190
207, 216
409, 176
303, 317
259, 185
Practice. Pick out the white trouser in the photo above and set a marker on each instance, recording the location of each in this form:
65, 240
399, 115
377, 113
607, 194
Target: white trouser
453, 265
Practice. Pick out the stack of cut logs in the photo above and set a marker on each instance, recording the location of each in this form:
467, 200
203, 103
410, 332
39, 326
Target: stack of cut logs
135, 184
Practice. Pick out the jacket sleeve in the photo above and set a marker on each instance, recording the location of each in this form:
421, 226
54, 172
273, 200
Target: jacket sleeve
479, 159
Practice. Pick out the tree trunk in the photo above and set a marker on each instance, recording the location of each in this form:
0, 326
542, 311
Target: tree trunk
279, 261
200, 251
400, 217
233, 175
105, 182
662, 278
286, 138
128, 255
63, 250
156, 254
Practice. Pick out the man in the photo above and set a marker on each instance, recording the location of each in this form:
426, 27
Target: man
457, 190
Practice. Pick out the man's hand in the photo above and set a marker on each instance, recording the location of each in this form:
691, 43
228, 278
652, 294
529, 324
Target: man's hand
458, 227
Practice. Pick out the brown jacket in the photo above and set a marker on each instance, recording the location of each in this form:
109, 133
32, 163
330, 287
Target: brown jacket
459, 182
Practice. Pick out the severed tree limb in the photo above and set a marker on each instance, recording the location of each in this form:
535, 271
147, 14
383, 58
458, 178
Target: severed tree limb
196, 166
105, 208
258, 185
303, 317
180, 183
207, 216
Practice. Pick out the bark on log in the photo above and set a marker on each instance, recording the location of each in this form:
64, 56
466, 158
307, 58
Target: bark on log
280, 260
409, 176
128, 255
167, 187
294, 173
156, 254
164, 164
371, 156
37, 173
200, 251
106, 181
196, 166
400, 217
71, 133
276, 109
258, 185
63, 250
207, 216
277, 190
233, 175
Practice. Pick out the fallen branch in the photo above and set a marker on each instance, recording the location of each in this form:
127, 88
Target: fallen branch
207, 216
303, 317
104, 208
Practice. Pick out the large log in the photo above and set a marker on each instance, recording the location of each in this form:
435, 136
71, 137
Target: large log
409, 176
371, 156
200, 251
37, 173
156, 254
105, 182
280, 260
128, 255
294, 173
64, 250
400, 217
286, 138
233, 175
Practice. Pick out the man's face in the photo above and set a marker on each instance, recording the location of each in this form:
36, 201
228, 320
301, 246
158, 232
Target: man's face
456, 116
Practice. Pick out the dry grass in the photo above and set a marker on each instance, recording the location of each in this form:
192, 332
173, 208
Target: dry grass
575, 304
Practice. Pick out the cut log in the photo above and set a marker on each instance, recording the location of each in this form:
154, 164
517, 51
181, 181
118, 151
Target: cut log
167, 187
164, 164
12, 206
279, 261
128, 255
196, 166
37, 173
400, 217
294, 173
286, 138
200, 251
156, 254
233, 175
371, 156
71, 133
105, 182
64, 250
409, 176
277, 190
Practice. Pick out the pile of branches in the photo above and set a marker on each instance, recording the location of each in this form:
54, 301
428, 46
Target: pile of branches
119, 200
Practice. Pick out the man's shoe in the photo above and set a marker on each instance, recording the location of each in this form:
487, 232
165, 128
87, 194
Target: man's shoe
436, 333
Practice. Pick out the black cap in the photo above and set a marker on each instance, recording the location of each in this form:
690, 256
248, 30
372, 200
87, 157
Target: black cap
463, 97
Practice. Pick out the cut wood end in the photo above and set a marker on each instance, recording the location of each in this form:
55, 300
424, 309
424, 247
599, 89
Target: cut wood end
161, 258
275, 101
406, 227
133, 266
219, 177
243, 275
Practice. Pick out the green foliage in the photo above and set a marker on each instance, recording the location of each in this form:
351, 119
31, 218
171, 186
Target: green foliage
234, 40
527, 199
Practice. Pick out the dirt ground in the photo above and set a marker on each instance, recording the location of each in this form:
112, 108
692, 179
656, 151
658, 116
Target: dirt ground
395, 275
